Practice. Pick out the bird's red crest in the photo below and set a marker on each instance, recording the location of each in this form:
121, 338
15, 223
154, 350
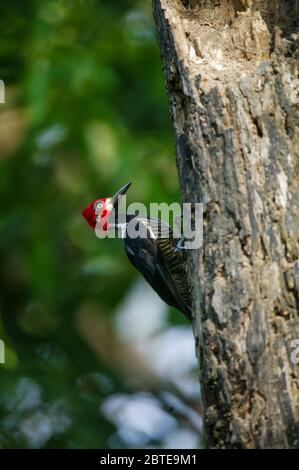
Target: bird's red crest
99, 210
92, 212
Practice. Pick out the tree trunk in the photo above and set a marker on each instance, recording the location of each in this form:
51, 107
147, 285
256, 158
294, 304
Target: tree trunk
231, 69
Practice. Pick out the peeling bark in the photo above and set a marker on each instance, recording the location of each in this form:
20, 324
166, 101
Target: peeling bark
231, 69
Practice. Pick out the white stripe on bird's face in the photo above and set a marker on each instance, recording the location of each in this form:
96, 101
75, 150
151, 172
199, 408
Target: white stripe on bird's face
108, 204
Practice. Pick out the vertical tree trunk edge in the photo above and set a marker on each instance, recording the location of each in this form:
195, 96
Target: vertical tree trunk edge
231, 72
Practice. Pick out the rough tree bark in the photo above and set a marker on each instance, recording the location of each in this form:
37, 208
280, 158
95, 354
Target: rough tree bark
231, 69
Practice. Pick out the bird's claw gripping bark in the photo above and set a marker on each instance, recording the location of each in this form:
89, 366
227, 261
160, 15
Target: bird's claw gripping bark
181, 244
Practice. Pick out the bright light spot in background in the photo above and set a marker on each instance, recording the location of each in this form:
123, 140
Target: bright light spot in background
138, 416
169, 353
181, 439
35, 421
138, 26
141, 420
141, 314
2, 92
2, 352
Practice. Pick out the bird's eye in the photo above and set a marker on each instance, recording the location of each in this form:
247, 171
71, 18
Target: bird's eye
98, 205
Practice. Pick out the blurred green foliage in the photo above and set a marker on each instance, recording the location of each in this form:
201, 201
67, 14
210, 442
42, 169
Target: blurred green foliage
85, 112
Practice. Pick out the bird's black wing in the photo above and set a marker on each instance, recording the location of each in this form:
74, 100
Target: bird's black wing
144, 254
162, 266
171, 264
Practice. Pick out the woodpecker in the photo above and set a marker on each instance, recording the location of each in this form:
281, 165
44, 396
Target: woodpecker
157, 254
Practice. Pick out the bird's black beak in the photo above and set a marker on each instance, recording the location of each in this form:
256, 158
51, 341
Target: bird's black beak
119, 193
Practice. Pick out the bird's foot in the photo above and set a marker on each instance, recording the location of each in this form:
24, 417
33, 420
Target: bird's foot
181, 244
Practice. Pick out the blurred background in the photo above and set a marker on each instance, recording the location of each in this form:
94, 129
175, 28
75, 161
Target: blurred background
93, 358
